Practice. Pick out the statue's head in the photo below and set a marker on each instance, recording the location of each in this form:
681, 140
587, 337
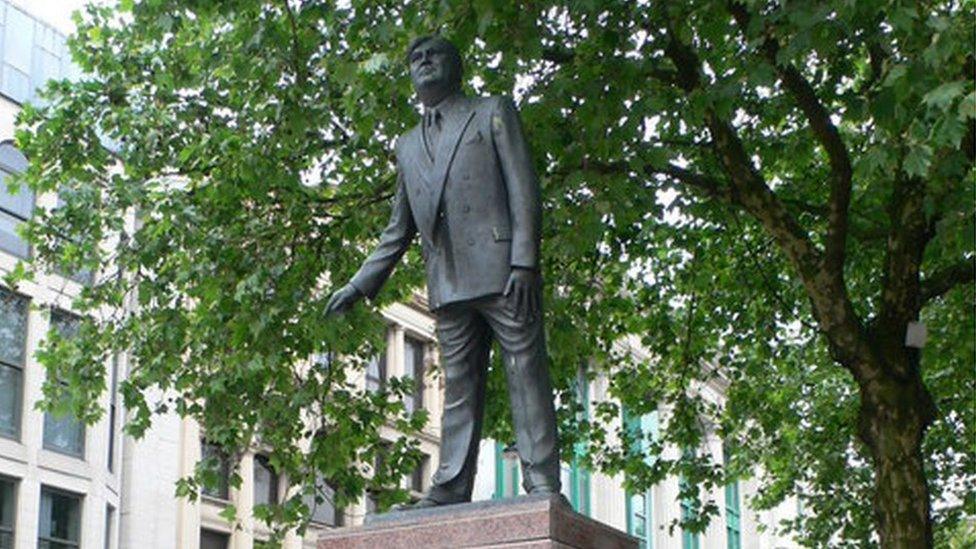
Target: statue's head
435, 68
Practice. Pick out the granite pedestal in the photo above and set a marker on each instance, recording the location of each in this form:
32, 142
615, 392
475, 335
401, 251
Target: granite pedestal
529, 522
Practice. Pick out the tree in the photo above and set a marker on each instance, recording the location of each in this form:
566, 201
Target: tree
778, 191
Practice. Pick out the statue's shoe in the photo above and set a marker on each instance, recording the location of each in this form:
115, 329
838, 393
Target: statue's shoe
548, 491
422, 503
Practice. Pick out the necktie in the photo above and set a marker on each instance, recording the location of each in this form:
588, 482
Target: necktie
432, 123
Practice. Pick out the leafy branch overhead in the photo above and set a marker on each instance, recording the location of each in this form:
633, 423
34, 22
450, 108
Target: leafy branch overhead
764, 195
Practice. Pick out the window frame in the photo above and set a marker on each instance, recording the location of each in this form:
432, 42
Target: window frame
112, 414
322, 488
262, 460
80, 454
415, 346
418, 477
226, 536
11, 530
21, 368
79, 500
376, 384
640, 505
8, 169
225, 472
733, 509
506, 474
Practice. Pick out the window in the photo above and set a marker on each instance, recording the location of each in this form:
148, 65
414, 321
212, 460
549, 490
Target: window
17, 44
413, 367
265, 482
13, 342
418, 479
214, 540
506, 471
64, 434
112, 412
323, 361
82, 276
220, 489
733, 530
373, 494
376, 372
15, 209
60, 523
640, 505
577, 478
109, 522
325, 512
639, 519
8, 512
689, 539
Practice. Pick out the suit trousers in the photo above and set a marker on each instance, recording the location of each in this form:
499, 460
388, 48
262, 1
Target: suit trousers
465, 331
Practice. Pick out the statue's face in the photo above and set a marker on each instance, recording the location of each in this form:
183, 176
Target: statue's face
431, 67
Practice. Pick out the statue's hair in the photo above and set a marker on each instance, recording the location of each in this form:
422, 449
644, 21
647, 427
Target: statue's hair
452, 51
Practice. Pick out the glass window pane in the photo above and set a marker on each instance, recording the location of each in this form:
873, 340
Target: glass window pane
18, 40
11, 159
376, 372
418, 479
414, 367
60, 521
64, 434
213, 540
65, 323
222, 489
13, 336
8, 512
10, 241
265, 482
21, 203
109, 521
10, 387
323, 505
13, 328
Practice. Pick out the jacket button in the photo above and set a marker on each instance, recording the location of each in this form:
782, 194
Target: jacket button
467, 176
470, 242
467, 208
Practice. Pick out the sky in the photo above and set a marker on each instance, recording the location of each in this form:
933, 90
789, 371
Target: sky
56, 13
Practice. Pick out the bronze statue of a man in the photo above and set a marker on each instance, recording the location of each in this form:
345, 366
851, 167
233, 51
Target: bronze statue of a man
467, 185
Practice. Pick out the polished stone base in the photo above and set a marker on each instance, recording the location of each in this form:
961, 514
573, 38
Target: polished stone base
534, 522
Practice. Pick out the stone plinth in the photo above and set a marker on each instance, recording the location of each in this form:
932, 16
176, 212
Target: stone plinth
535, 522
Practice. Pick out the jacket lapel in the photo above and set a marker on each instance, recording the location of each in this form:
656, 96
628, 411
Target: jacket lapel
421, 161
446, 148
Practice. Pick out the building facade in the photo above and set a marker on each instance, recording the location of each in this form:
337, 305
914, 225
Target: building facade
63, 484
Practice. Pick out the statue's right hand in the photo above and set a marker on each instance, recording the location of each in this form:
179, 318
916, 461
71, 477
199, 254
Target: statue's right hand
342, 300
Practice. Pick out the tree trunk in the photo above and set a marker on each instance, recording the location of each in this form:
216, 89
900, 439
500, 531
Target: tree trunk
895, 413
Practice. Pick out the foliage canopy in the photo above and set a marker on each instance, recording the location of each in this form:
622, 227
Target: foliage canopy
734, 184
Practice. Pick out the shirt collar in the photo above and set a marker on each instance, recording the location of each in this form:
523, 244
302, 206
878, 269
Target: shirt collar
446, 105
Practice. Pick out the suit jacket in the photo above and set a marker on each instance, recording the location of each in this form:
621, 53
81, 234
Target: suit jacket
476, 206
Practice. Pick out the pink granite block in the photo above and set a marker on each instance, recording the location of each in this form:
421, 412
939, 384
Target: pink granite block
528, 522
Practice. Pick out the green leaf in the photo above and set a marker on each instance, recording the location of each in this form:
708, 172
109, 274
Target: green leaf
967, 107
918, 160
942, 96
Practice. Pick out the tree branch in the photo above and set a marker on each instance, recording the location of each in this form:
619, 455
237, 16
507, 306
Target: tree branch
826, 133
830, 302
295, 46
561, 55
943, 280
708, 185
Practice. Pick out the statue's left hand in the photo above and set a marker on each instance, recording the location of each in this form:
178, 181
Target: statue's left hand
342, 300
523, 288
